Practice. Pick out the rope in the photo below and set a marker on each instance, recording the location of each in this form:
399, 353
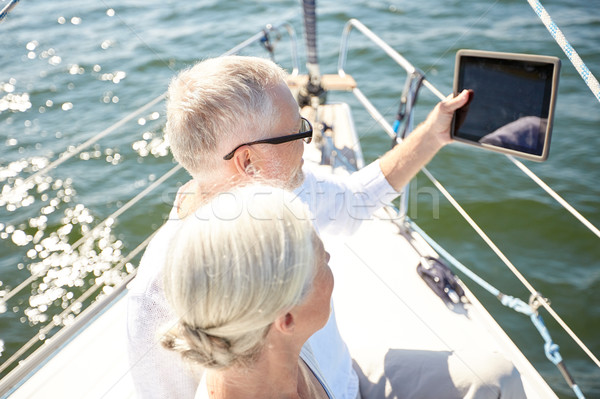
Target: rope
8, 8
552, 353
564, 44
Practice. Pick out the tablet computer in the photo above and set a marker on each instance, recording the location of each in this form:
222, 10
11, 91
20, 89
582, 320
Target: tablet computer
511, 104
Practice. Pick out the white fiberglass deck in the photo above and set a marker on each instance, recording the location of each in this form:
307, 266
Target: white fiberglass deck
382, 305
92, 365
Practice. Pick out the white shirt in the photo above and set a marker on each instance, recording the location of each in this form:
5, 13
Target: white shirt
338, 203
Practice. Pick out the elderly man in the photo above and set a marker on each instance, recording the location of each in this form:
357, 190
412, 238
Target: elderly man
231, 120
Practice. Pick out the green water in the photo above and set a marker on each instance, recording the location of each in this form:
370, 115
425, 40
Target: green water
70, 69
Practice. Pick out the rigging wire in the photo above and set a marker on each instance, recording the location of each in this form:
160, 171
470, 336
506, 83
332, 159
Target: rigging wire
70, 153
409, 68
537, 180
555, 195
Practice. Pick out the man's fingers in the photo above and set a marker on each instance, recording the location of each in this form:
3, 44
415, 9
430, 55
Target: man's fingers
452, 104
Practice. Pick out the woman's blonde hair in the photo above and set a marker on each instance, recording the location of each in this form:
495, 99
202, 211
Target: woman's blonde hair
219, 100
233, 267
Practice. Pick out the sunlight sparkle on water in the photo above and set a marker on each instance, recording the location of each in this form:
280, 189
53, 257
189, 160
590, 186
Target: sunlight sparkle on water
52, 255
13, 101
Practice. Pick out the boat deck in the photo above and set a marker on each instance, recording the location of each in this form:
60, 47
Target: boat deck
385, 311
92, 365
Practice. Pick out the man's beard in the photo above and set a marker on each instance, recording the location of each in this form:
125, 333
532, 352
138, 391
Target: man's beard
296, 180
292, 183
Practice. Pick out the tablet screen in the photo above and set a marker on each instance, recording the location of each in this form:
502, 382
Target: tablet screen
512, 99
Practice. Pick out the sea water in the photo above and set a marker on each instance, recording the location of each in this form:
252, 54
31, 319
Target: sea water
69, 70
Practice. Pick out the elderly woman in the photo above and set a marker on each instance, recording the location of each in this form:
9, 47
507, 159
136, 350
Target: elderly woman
249, 281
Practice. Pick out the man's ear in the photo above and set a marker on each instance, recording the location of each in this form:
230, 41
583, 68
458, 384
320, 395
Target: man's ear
286, 323
242, 159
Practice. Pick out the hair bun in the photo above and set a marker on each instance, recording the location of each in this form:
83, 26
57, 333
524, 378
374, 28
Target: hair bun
196, 345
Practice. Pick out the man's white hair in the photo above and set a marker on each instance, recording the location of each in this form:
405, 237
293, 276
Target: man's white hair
234, 266
217, 102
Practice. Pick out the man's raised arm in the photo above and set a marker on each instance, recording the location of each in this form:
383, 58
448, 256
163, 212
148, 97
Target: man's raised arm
401, 163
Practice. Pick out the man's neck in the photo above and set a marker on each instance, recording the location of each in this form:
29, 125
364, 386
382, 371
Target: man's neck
196, 193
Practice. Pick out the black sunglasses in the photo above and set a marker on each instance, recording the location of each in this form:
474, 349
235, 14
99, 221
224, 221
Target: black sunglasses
306, 132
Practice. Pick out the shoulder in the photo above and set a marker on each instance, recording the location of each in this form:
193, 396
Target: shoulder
154, 259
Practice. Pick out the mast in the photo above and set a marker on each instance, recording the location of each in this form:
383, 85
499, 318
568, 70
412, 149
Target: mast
313, 90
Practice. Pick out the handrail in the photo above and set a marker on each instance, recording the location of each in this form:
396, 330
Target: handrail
393, 54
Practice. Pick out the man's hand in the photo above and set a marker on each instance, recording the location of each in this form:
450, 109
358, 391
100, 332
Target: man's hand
402, 163
437, 124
